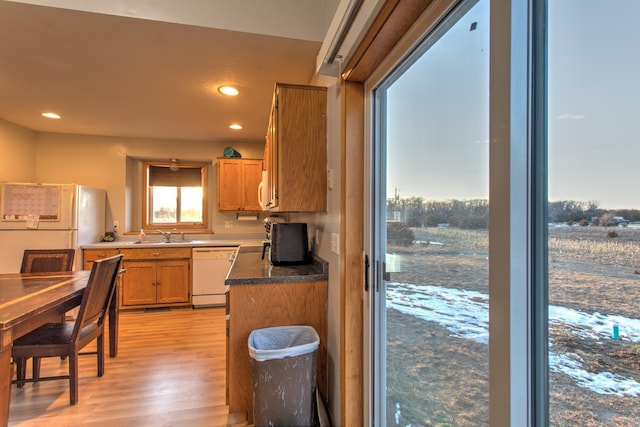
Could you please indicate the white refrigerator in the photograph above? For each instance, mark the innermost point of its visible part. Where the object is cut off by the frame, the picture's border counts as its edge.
(48, 216)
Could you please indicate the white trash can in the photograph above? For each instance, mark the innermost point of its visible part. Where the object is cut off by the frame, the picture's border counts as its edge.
(283, 369)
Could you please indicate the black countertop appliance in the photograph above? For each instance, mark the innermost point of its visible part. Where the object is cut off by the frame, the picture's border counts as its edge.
(289, 243)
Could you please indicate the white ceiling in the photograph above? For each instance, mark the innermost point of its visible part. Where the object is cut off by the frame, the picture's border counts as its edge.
(127, 76)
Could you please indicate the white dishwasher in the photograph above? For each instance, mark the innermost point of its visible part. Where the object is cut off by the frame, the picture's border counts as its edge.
(210, 268)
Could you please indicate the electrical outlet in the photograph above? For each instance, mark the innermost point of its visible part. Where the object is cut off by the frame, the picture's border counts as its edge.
(228, 224)
(335, 243)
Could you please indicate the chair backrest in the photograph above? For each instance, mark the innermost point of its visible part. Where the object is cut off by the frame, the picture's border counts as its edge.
(97, 294)
(47, 260)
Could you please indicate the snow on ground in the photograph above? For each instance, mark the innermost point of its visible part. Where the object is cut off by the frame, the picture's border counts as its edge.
(466, 315)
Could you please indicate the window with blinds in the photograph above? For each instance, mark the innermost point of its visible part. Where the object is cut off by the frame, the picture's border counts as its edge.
(175, 197)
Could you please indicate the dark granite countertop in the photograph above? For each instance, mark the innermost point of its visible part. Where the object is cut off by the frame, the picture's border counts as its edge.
(248, 268)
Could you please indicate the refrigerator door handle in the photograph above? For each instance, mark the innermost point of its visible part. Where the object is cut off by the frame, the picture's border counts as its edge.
(72, 215)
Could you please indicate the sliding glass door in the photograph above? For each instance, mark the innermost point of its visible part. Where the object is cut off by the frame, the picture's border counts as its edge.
(594, 213)
(565, 223)
(430, 181)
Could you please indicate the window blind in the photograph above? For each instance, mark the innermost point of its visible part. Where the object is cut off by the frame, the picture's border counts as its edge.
(161, 176)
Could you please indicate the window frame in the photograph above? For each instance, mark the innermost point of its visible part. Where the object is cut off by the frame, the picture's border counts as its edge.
(147, 198)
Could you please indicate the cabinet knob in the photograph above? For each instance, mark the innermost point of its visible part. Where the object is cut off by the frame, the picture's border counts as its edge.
(156, 254)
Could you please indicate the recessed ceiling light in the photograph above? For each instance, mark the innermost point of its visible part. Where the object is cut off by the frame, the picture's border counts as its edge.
(235, 126)
(51, 115)
(228, 90)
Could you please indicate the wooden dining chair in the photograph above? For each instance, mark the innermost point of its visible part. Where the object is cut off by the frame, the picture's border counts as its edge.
(66, 339)
(47, 260)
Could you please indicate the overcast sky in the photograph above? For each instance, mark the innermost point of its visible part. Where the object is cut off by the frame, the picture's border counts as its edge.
(438, 121)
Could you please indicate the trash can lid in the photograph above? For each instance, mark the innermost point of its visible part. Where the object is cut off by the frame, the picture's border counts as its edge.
(279, 342)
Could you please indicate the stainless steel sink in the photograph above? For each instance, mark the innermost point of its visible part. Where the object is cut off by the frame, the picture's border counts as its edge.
(198, 242)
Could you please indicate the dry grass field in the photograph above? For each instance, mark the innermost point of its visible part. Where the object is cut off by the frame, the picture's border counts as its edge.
(438, 379)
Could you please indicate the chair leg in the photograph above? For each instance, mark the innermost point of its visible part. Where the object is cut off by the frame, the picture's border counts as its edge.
(63, 319)
(73, 378)
(35, 369)
(21, 368)
(100, 345)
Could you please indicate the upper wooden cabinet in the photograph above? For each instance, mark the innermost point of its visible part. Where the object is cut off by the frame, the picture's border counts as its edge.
(296, 149)
(238, 181)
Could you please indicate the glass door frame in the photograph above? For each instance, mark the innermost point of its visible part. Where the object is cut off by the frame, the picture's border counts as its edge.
(517, 269)
(450, 14)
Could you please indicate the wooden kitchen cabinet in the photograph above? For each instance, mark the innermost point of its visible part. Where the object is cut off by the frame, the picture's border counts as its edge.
(296, 149)
(238, 181)
(90, 255)
(264, 305)
(156, 277)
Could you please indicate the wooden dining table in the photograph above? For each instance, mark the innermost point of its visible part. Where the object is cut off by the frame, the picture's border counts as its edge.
(28, 301)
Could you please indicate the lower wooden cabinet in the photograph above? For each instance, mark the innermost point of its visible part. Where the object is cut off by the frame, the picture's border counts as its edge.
(90, 255)
(155, 282)
(154, 277)
(263, 305)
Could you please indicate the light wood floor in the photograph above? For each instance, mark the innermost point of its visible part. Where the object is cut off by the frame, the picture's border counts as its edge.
(170, 370)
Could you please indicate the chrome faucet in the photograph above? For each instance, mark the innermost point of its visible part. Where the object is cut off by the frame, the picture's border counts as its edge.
(166, 235)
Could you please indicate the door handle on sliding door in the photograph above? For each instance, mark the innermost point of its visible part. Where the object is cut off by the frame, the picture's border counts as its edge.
(366, 273)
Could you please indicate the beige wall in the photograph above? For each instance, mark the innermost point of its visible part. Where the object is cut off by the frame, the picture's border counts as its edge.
(17, 153)
(101, 162)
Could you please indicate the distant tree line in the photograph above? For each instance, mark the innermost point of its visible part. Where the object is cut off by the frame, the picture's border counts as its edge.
(474, 214)
(416, 212)
(588, 213)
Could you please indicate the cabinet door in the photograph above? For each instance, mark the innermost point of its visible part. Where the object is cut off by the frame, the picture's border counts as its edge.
(302, 149)
(297, 149)
(229, 184)
(238, 181)
(172, 281)
(251, 177)
(139, 283)
(271, 156)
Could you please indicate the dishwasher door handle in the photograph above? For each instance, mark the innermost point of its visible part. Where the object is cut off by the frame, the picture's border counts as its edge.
(211, 250)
